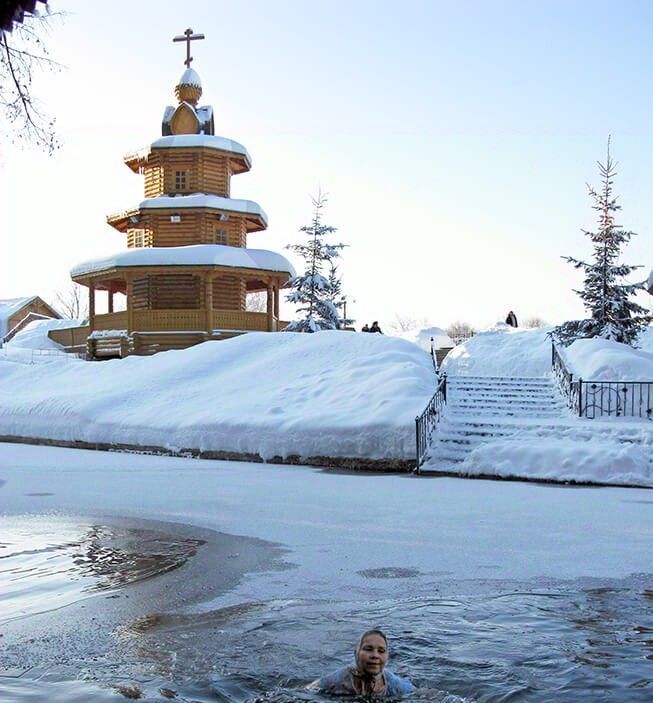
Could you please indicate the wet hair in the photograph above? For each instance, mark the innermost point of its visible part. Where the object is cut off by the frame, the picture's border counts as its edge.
(367, 634)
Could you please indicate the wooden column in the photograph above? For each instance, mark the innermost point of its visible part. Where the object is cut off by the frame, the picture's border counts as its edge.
(270, 307)
(110, 299)
(130, 303)
(276, 300)
(208, 302)
(91, 307)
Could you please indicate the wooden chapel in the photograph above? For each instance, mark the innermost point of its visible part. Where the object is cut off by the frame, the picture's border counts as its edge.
(186, 269)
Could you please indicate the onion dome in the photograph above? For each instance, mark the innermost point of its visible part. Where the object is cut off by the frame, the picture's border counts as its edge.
(189, 88)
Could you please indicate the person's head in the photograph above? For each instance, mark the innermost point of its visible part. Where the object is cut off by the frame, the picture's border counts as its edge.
(371, 653)
(375, 323)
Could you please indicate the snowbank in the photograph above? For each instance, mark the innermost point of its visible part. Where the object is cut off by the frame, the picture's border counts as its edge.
(564, 460)
(502, 351)
(326, 394)
(508, 351)
(605, 360)
(422, 338)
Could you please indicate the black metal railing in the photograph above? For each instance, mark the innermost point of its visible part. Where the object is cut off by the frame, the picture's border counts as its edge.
(615, 398)
(593, 399)
(568, 387)
(434, 357)
(426, 423)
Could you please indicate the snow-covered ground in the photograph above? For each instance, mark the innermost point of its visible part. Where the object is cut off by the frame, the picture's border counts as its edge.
(329, 394)
(423, 337)
(565, 448)
(508, 351)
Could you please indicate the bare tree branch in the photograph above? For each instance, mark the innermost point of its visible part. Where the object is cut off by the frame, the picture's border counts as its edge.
(22, 53)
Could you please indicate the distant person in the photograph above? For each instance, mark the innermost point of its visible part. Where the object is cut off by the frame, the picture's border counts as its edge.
(511, 319)
(365, 328)
(375, 327)
(368, 675)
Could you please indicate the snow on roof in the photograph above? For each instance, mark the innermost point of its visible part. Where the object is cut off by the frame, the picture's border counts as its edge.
(194, 255)
(210, 141)
(190, 77)
(249, 207)
(35, 334)
(9, 307)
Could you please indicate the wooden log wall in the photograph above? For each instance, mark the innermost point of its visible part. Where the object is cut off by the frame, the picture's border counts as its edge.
(207, 171)
(167, 292)
(229, 293)
(153, 172)
(196, 227)
(141, 293)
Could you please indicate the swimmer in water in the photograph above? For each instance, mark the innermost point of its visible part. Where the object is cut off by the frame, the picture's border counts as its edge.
(368, 676)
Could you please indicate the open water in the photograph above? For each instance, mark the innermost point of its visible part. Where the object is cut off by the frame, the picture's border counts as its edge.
(485, 640)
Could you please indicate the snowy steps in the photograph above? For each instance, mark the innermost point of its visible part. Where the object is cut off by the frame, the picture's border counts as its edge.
(489, 408)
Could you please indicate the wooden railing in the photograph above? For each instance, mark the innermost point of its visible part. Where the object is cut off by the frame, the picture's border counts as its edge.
(168, 320)
(70, 337)
(240, 320)
(111, 321)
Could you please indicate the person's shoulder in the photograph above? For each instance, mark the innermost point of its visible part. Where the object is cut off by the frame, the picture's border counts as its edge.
(397, 684)
(336, 681)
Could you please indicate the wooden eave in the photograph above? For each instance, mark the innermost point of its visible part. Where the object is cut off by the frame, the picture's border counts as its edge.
(239, 163)
(253, 222)
(117, 274)
(121, 220)
(136, 162)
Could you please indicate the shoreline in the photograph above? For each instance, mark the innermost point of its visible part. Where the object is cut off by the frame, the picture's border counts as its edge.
(103, 623)
(348, 463)
(334, 464)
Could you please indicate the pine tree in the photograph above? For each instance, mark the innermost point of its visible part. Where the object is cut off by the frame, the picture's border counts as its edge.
(613, 313)
(312, 291)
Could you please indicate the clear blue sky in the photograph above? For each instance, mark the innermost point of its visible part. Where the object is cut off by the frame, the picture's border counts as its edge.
(455, 139)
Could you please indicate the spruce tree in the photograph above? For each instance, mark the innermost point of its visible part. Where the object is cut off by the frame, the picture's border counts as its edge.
(312, 291)
(335, 295)
(613, 313)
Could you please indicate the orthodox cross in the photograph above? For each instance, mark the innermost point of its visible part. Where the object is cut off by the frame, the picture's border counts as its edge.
(188, 37)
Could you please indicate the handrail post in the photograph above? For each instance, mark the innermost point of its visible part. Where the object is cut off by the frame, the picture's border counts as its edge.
(580, 397)
(417, 452)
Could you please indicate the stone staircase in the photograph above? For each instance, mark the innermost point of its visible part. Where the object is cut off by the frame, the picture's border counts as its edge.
(484, 408)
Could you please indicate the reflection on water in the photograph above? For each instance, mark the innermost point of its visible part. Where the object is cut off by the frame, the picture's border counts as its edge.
(49, 562)
(478, 641)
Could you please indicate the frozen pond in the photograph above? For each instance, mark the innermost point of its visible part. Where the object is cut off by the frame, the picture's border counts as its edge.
(243, 582)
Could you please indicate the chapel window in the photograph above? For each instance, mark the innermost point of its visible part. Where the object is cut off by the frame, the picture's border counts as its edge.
(180, 181)
(138, 238)
(220, 236)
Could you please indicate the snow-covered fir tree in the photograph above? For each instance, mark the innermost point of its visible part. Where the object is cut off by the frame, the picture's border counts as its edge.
(609, 300)
(314, 293)
(335, 295)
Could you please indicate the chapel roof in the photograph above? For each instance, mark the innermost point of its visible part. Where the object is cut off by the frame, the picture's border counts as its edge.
(193, 255)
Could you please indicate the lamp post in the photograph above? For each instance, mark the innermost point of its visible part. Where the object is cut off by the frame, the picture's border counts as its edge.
(344, 309)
